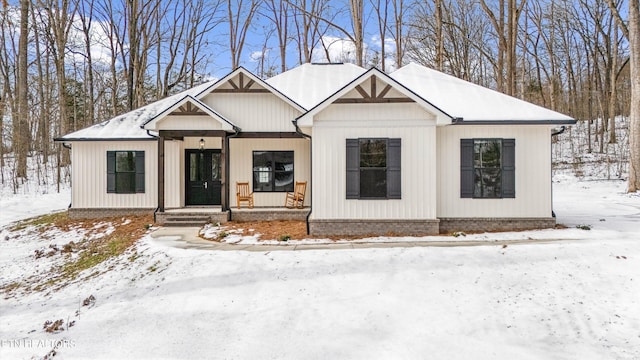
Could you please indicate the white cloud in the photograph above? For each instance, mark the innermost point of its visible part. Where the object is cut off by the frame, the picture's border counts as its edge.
(389, 44)
(258, 55)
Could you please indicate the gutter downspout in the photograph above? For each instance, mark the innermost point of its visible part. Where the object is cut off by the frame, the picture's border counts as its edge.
(555, 133)
(298, 131)
(226, 169)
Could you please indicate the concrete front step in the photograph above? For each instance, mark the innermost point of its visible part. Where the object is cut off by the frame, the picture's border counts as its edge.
(186, 220)
(185, 223)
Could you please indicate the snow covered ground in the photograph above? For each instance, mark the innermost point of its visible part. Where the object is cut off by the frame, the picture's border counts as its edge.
(573, 299)
(36, 196)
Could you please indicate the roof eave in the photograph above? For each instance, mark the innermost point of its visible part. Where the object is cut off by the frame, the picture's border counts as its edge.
(514, 122)
(103, 139)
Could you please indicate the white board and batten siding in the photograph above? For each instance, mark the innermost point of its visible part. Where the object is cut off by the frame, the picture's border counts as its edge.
(254, 112)
(241, 167)
(532, 172)
(89, 175)
(174, 174)
(188, 122)
(409, 122)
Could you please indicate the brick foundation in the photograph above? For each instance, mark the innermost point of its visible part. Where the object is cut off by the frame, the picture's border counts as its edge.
(95, 213)
(337, 227)
(449, 225)
(373, 227)
(267, 215)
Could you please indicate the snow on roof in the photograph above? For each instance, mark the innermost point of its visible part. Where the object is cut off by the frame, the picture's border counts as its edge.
(469, 101)
(310, 84)
(128, 125)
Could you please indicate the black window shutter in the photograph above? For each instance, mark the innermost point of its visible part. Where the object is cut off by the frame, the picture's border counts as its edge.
(111, 171)
(466, 168)
(353, 169)
(139, 171)
(508, 168)
(394, 162)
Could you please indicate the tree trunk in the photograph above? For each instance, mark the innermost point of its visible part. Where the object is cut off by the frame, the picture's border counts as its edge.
(133, 51)
(398, 12)
(634, 114)
(357, 11)
(43, 120)
(439, 37)
(21, 122)
(613, 94)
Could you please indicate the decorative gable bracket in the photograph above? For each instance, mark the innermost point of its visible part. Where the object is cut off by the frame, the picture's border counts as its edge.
(373, 97)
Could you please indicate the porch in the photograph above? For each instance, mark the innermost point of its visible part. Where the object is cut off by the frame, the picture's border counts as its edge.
(198, 216)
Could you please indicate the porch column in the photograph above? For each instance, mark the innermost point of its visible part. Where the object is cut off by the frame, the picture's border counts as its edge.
(224, 169)
(161, 173)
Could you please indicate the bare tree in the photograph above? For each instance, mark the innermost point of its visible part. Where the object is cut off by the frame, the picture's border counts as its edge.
(632, 32)
(356, 16)
(85, 13)
(381, 10)
(309, 27)
(505, 25)
(58, 17)
(279, 12)
(240, 16)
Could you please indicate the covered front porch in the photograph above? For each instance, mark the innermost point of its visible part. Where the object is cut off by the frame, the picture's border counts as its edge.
(198, 171)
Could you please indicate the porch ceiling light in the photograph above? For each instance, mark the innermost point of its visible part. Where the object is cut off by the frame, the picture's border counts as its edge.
(201, 144)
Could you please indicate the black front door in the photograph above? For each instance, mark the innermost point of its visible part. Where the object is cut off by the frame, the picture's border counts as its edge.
(203, 178)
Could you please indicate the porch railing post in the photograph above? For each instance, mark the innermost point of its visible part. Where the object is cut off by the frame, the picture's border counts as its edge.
(161, 173)
(224, 201)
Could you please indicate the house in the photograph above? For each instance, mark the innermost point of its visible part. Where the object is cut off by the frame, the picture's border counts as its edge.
(412, 152)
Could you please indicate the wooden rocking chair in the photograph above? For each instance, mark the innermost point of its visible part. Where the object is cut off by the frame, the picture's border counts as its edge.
(244, 194)
(295, 199)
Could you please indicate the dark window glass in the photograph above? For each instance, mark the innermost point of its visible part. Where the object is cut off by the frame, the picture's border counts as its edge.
(373, 168)
(487, 168)
(216, 174)
(272, 171)
(125, 172)
(195, 168)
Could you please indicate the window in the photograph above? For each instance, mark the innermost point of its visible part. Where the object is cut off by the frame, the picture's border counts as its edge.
(272, 171)
(487, 168)
(373, 168)
(125, 172)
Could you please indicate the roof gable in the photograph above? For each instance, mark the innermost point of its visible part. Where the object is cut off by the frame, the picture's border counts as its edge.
(373, 86)
(243, 81)
(189, 105)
